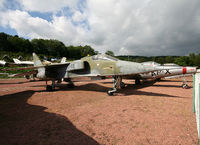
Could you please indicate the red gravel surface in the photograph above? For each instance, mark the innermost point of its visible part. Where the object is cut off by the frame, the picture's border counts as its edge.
(156, 113)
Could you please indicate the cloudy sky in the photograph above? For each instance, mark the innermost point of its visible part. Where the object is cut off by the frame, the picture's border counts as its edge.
(127, 27)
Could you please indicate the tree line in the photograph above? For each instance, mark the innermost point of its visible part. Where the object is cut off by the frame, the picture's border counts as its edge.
(15, 46)
(191, 60)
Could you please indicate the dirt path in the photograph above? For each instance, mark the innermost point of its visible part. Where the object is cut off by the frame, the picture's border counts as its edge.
(157, 114)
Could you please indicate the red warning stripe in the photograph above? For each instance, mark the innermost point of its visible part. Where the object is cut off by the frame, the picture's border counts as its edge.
(184, 70)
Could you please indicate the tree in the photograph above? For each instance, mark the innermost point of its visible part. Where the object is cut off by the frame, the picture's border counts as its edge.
(87, 50)
(197, 60)
(182, 60)
(169, 59)
(192, 58)
(161, 60)
(110, 53)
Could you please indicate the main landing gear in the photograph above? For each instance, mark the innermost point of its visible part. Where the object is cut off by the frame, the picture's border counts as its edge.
(50, 87)
(53, 85)
(70, 83)
(185, 85)
(117, 83)
(137, 82)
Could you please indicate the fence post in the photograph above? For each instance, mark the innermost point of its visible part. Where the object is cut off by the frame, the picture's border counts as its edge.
(194, 93)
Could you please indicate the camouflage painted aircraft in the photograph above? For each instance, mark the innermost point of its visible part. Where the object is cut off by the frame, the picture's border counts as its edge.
(100, 66)
(90, 66)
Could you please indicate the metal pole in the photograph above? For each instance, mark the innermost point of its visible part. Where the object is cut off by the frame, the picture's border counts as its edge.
(199, 113)
(194, 93)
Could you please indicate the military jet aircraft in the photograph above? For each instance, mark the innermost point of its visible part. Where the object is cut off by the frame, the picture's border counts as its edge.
(18, 62)
(2, 63)
(166, 70)
(96, 66)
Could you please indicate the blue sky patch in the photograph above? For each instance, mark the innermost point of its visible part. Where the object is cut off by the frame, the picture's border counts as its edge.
(47, 16)
(8, 30)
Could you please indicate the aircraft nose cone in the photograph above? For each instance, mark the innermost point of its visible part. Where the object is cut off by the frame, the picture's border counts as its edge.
(189, 70)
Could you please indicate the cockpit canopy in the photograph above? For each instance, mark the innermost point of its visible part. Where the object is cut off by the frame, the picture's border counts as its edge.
(104, 57)
(170, 64)
(151, 63)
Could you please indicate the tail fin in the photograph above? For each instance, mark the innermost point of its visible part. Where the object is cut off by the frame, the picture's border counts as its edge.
(17, 61)
(36, 60)
(63, 60)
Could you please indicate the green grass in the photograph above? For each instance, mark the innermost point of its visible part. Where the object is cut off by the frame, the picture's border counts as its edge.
(4, 76)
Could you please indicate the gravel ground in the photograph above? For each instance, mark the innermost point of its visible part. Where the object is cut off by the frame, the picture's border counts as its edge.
(156, 113)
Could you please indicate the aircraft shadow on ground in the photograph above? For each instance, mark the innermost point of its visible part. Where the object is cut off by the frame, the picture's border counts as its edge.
(171, 86)
(87, 87)
(174, 81)
(21, 82)
(138, 92)
(135, 90)
(22, 123)
(130, 89)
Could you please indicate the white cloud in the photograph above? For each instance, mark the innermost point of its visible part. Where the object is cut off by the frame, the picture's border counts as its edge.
(2, 3)
(35, 27)
(148, 27)
(47, 5)
(78, 16)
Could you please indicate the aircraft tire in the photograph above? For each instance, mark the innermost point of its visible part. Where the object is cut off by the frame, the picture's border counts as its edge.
(71, 85)
(110, 93)
(158, 79)
(137, 81)
(49, 88)
(27, 77)
(185, 86)
(122, 85)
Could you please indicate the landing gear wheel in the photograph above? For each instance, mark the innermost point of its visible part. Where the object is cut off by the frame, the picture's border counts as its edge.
(110, 92)
(49, 88)
(27, 77)
(185, 86)
(122, 85)
(137, 82)
(159, 79)
(71, 85)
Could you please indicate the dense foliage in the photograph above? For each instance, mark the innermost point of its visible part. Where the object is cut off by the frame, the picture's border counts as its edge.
(191, 60)
(48, 48)
(14, 46)
(110, 53)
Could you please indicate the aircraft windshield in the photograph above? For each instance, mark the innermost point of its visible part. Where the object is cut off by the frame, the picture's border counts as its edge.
(151, 63)
(170, 64)
(104, 57)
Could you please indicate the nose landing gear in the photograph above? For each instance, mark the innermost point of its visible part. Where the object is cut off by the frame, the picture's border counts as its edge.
(117, 83)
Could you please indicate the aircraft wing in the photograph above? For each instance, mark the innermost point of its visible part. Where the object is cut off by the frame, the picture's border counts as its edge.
(36, 67)
(24, 74)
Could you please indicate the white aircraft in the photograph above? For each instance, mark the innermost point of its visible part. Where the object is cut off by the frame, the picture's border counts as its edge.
(2, 63)
(167, 70)
(17, 61)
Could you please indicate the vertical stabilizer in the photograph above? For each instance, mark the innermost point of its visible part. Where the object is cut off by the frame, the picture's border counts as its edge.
(63, 60)
(17, 61)
(36, 60)
(41, 70)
